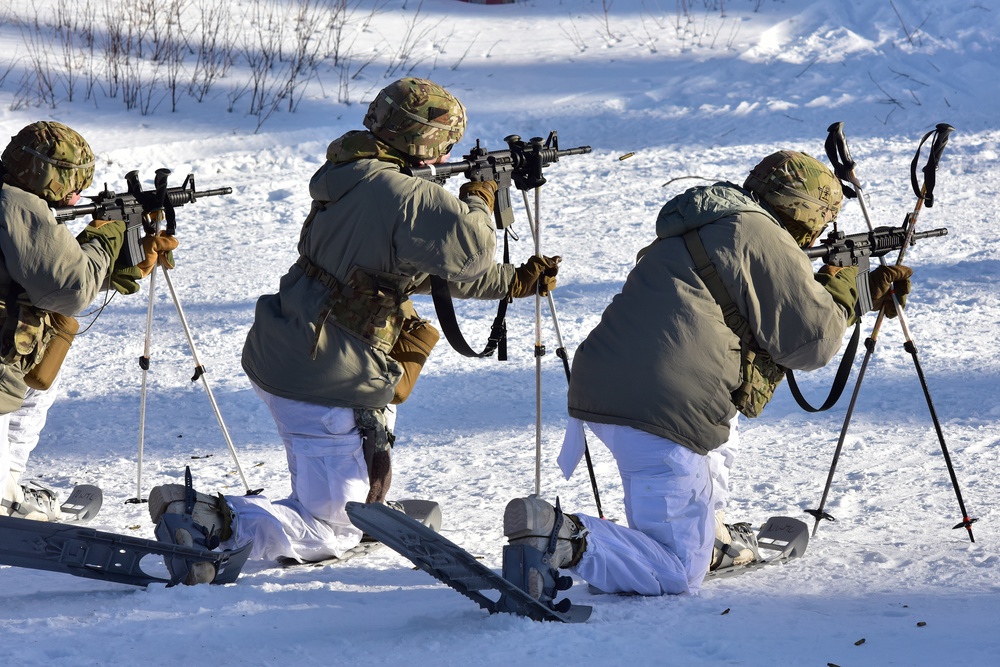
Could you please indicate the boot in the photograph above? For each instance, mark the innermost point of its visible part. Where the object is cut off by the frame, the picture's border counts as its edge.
(31, 500)
(212, 523)
(735, 544)
(530, 521)
(532, 556)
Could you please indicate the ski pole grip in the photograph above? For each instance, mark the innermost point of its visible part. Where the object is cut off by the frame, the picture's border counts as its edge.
(926, 192)
(840, 158)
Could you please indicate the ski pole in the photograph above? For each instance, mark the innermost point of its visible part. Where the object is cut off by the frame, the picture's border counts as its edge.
(564, 356)
(199, 372)
(843, 167)
(155, 217)
(926, 192)
(144, 365)
(539, 346)
(837, 151)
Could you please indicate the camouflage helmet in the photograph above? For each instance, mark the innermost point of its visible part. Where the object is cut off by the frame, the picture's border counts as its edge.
(417, 117)
(802, 190)
(50, 160)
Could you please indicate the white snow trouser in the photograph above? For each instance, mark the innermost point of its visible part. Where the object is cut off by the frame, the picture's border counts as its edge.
(671, 494)
(327, 468)
(19, 433)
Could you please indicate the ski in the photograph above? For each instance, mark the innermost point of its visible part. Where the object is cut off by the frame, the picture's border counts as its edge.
(93, 554)
(457, 568)
(427, 512)
(784, 535)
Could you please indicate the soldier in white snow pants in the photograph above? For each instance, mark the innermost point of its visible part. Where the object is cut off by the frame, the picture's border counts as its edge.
(711, 316)
(328, 470)
(671, 495)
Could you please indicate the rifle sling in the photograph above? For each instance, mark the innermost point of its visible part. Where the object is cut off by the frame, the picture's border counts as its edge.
(739, 325)
(441, 294)
(839, 381)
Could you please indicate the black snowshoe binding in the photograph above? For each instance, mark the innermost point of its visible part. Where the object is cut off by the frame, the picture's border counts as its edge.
(183, 530)
(531, 570)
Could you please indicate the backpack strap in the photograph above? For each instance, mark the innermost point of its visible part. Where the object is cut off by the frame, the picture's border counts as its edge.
(706, 270)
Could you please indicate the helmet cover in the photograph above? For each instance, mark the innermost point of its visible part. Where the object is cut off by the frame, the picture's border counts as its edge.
(804, 193)
(50, 160)
(417, 117)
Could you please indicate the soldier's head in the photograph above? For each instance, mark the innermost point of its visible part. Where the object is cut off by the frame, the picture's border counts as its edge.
(417, 117)
(50, 160)
(801, 190)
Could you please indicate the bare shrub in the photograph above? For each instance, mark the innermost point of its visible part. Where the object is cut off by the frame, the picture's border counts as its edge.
(214, 50)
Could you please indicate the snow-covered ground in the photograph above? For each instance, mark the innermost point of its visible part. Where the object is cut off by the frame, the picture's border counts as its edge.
(693, 88)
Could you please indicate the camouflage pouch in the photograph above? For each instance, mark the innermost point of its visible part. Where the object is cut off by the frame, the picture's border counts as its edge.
(761, 377)
(367, 306)
(21, 337)
(36, 342)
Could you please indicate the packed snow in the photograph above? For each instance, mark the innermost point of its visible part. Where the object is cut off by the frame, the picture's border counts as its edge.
(696, 90)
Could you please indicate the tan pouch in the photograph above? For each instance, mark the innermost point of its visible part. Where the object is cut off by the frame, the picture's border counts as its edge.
(416, 340)
(43, 374)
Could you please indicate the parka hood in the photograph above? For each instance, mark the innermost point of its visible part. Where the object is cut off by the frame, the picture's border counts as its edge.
(351, 158)
(703, 205)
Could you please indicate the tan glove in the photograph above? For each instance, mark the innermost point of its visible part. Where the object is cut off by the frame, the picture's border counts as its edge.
(158, 249)
(537, 273)
(881, 279)
(485, 190)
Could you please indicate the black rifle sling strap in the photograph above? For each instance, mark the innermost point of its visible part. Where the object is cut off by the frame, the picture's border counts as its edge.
(735, 321)
(839, 381)
(441, 294)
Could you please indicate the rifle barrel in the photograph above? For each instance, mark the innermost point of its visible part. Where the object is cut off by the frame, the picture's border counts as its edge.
(181, 196)
(873, 244)
(548, 155)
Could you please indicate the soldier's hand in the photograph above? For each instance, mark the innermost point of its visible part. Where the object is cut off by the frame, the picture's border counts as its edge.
(110, 234)
(125, 279)
(537, 273)
(158, 250)
(881, 279)
(485, 190)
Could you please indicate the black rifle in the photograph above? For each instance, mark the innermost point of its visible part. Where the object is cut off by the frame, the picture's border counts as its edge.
(140, 209)
(520, 165)
(839, 249)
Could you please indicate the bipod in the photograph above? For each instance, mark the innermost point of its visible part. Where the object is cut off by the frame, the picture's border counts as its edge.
(151, 222)
(561, 353)
(840, 157)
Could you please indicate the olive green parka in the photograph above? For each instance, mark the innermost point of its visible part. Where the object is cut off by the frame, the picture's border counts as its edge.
(369, 215)
(663, 360)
